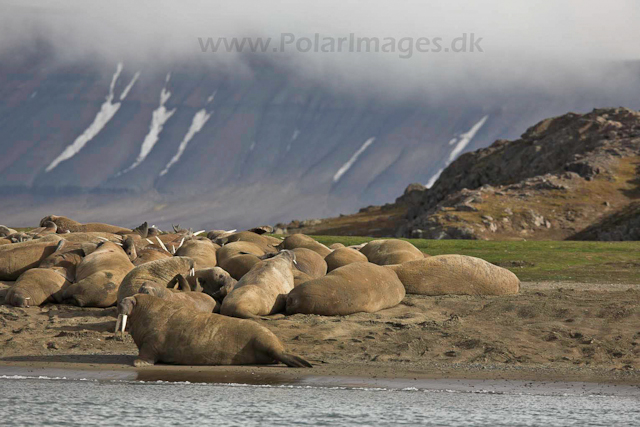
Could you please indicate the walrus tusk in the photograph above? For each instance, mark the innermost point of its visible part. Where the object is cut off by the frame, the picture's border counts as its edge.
(181, 242)
(192, 272)
(161, 244)
(199, 232)
(27, 300)
(173, 249)
(149, 241)
(124, 323)
(102, 238)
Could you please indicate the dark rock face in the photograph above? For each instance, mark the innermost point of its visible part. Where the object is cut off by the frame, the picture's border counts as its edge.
(552, 161)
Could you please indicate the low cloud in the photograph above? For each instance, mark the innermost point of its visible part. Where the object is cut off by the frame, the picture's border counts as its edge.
(535, 45)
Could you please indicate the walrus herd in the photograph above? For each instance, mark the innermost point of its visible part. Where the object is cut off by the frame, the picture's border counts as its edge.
(192, 298)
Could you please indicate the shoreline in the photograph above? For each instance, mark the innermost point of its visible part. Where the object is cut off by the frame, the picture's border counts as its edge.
(550, 332)
(321, 373)
(280, 376)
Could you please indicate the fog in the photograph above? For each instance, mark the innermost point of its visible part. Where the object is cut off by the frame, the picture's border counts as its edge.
(550, 46)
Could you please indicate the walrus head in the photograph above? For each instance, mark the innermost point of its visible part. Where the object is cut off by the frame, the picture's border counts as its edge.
(50, 218)
(125, 308)
(129, 248)
(289, 255)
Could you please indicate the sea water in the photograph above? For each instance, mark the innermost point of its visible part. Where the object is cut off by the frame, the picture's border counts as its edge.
(28, 400)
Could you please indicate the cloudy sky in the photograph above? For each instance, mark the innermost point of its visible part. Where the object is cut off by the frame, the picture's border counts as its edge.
(537, 45)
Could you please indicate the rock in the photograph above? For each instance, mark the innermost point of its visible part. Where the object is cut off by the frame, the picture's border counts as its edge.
(463, 207)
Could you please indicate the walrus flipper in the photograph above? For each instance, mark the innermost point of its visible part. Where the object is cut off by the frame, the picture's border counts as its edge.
(292, 361)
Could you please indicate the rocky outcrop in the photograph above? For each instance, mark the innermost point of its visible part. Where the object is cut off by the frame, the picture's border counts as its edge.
(563, 176)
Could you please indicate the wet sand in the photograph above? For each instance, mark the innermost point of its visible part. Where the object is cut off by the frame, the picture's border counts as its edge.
(549, 332)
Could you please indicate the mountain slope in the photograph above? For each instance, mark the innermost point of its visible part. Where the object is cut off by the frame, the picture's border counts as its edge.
(193, 143)
(570, 177)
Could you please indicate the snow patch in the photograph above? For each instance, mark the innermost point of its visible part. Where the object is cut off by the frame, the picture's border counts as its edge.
(106, 113)
(434, 178)
(197, 123)
(464, 139)
(293, 138)
(158, 119)
(352, 160)
(461, 143)
(126, 90)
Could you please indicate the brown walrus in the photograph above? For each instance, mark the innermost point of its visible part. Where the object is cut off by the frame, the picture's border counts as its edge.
(203, 252)
(455, 275)
(263, 290)
(343, 256)
(159, 272)
(391, 251)
(98, 277)
(310, 262)
(36, 286)
(197, 301)
(17, 258)
(303, 241)
(45, 283)
(65, 224)
(169, 332)
(354, 288)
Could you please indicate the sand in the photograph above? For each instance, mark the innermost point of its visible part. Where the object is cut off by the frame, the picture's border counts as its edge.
(551, 331)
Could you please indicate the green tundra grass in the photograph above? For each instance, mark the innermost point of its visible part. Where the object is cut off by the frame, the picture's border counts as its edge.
(589, 262)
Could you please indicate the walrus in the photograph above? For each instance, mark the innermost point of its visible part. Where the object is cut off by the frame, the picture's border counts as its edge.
(17, 258)
(239, 265)
(238, 248)
(354, 288)
(303, 241)
(47, 227)
(68, 257)
(455, 275)
(391, 251)
(6, 231)
(211, 281)
(310, 262)
(263, 290)
(45, 284)
(98, 277)
(203, 252)
(267, 243)
(160, 272)
(169, 332)
(36, 286)
(196, 301)
(299, 278)
(343, 256)
(5, 241)
(142, 252)
(336, 245)
(91, 237)
(64, 224)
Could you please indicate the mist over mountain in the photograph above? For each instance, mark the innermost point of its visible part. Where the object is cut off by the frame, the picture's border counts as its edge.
(107, 116)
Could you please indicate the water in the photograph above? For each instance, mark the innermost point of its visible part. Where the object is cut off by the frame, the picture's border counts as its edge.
(32, 401)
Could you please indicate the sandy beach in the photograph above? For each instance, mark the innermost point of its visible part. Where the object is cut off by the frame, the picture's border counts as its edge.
(551, 331)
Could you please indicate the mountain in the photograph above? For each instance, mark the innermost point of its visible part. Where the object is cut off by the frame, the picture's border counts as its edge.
(217, 148)
(576, 176)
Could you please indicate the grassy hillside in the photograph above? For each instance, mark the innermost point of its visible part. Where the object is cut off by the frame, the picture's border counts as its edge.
(589, 262)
